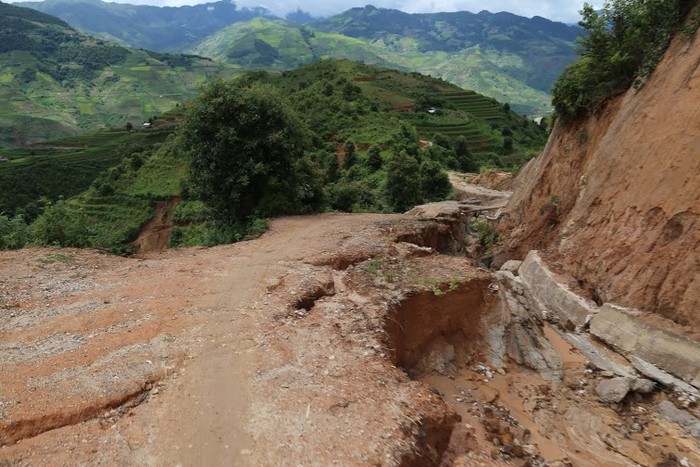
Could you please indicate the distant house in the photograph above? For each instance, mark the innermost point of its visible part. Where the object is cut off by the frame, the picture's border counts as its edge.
(3, 159)
(432, 111)
(147, 125)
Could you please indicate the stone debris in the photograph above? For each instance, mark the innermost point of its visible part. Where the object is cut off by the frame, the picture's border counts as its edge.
(511, 266)
(621, 329)
(616, 389)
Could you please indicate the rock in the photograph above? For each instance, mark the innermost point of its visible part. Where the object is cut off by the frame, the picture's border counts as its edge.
(511, 266)
(571, 310)
(681, 417)
(515, 332)
(671, 353)
(652, 372)
(643, 386)
(614, 390)
(597, 355)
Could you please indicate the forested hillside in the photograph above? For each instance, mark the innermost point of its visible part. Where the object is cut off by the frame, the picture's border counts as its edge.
(57, 81)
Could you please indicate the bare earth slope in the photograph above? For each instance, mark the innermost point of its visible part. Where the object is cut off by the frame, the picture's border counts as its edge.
(615, 199)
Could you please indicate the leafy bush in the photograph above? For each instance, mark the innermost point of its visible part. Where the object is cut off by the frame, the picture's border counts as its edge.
(60, 225)
(403, 188)
(435, 185)
(13, 232)
(244, 141)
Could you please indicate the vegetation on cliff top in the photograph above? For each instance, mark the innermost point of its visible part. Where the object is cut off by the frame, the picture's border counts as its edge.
(621, 46)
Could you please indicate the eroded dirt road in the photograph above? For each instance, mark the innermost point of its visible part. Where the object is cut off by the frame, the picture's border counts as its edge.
(116, 327)
(333, 339)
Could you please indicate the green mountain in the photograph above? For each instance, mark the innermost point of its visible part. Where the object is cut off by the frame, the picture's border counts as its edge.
(165, 29)
(508, 57)
(57, 81)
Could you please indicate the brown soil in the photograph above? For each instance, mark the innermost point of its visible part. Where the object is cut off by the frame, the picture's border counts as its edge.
(325, 341)
(616, 197)
(155, 235)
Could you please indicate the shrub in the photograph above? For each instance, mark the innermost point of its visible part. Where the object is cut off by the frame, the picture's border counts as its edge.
(435, 185)
(60, 225)
(13, 232)
(374, 158)
(403, 187)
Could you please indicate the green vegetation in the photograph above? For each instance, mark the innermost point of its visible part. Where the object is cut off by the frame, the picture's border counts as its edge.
(622, 45)
(502, 55)
(58, 82)
(508, 57)
(255, 166)
(331, 135)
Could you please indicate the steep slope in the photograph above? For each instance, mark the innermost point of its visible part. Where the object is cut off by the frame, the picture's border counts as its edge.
(615, 199)
(59, 82)
(280, 44)
(532, 50)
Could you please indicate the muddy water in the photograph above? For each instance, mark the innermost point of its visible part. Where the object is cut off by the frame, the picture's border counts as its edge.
(559, 421)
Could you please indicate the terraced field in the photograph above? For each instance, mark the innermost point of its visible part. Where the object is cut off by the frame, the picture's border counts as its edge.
(477, 139)
(66, 167)
(479, 106)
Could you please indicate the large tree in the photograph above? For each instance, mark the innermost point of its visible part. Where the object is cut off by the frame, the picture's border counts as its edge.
(403, 183)
(246, 146)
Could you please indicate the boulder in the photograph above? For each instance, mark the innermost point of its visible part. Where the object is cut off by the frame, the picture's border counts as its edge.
(614, 390)
(511, 266)
(569, 309)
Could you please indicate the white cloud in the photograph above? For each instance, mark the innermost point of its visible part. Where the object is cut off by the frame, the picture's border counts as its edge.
(557, 10)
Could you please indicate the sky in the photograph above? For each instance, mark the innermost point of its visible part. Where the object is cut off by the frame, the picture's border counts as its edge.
(557, 10)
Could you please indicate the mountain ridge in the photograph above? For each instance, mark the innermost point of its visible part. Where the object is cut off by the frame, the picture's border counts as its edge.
(509, 57)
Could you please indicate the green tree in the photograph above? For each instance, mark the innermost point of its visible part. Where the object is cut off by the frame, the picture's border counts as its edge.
(507, 145)
(435, 184)
(621, 45)
(463, 155)
(244, 141)
(350, 155)
(374, 158)
(403, 186)
(333, 168)
(129, 126)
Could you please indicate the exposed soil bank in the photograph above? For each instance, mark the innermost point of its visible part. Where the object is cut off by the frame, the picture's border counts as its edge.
(615, 198)
(155, 235)
(435, 320)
